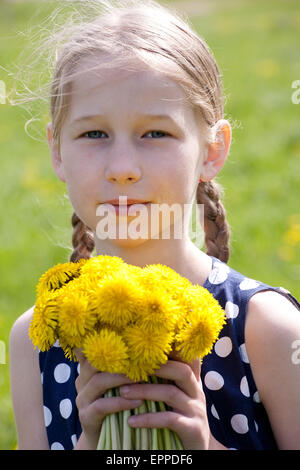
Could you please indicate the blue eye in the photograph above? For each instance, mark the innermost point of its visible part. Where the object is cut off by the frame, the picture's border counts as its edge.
(95, 134)
(157, 132)
(91, 134)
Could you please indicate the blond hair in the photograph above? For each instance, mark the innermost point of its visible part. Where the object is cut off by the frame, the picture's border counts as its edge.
(164, 40)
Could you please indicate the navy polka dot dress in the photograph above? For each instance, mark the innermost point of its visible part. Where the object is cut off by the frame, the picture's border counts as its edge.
(236, 415)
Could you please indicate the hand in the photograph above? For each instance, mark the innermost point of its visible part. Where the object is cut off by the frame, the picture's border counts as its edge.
(91, 385)
(188, 417)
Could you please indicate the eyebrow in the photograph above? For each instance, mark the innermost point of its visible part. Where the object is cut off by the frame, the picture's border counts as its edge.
(150, 117)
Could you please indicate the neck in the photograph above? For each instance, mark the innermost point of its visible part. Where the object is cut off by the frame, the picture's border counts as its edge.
(181, 255)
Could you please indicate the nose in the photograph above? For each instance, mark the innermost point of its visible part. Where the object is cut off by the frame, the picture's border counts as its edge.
(122, 169)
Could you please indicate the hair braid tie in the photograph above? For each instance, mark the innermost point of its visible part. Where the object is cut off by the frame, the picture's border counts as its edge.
(82, 240)
(216, 227)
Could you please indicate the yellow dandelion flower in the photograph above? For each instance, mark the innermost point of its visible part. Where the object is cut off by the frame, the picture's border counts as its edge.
(148, 347)
(75, 317)
(203, 324)
(158, 310)
(100, 266)
(57, 276)
(43, 325)
(193, 298)
(67, 349)
(164, 276)
(106, 351)
(139, 371)
(116, 300)
(163, 273)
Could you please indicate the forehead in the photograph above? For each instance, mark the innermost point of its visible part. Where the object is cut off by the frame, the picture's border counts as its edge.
(108, 90)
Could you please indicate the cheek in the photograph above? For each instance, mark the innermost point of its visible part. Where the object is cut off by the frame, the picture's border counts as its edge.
(82, 183)
(79, 169)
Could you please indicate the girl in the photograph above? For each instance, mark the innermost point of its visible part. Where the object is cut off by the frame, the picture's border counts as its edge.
(137, 111)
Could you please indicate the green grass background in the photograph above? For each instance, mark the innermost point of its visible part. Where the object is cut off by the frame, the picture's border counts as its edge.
(256, 44)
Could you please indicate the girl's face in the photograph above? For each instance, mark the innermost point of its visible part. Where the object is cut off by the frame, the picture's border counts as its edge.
(128, 134)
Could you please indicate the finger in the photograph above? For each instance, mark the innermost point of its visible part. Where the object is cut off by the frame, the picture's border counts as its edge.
(169, 394)
(195, 364)
(99, 384)
(79, 355)
(183, 375)
(161, 419)
(109, 405)
(86, 370)
(196, 368)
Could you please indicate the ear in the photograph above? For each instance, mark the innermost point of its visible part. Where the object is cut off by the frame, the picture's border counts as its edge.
(55, 154)
(217, 150)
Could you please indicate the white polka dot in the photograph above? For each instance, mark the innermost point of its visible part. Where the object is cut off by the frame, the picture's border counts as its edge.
(256, 427)
(214, 412)
(231, 309)
(219, 273)
(62, 373)
(247, 284)
(243, 353)
(239, 423)
(47, 416)
(57, 446)
(256, 397)
(244, 387)
(56, 344)
(213, 380)
(74, 439)
(223, 346)
(65, 408)
(42, 378)
(78, 368)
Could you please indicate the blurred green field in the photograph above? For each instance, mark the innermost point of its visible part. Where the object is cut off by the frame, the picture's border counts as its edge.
(256, 43)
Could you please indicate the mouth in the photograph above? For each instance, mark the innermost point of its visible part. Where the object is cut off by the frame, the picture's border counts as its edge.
(123, 208)
(124, 201)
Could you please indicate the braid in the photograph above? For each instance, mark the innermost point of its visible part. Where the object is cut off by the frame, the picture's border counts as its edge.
(82, 240)
(216, 227)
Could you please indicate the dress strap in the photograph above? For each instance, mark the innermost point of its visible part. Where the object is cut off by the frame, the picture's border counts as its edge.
(288, 295)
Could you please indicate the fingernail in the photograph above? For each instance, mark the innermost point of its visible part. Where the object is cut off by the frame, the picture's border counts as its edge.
(137, 402)
(124, 389)
(132, 420)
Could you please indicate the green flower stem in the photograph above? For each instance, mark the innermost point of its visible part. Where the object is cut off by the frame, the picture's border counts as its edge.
(166, 432)
(119, 415)
(144, 431)
(126, 431)
(101, 442)
(178, 443)
(160, 440)
(107, 433)
(154, 431)
(116, 433)
(137, 432)
(114, 425)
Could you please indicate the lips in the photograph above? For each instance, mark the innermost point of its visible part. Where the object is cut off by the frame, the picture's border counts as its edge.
(123, 201)
(122, 208)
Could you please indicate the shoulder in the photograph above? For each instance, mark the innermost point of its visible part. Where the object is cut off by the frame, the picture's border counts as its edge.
(271, 331)
(20, 345)
(19, 331)
(272, 316)
(25, 381)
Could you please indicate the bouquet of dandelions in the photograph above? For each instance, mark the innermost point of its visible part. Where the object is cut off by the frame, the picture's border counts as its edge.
(126, 320)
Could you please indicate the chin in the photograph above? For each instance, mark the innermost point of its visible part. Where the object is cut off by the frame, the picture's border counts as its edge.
(128, 242)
